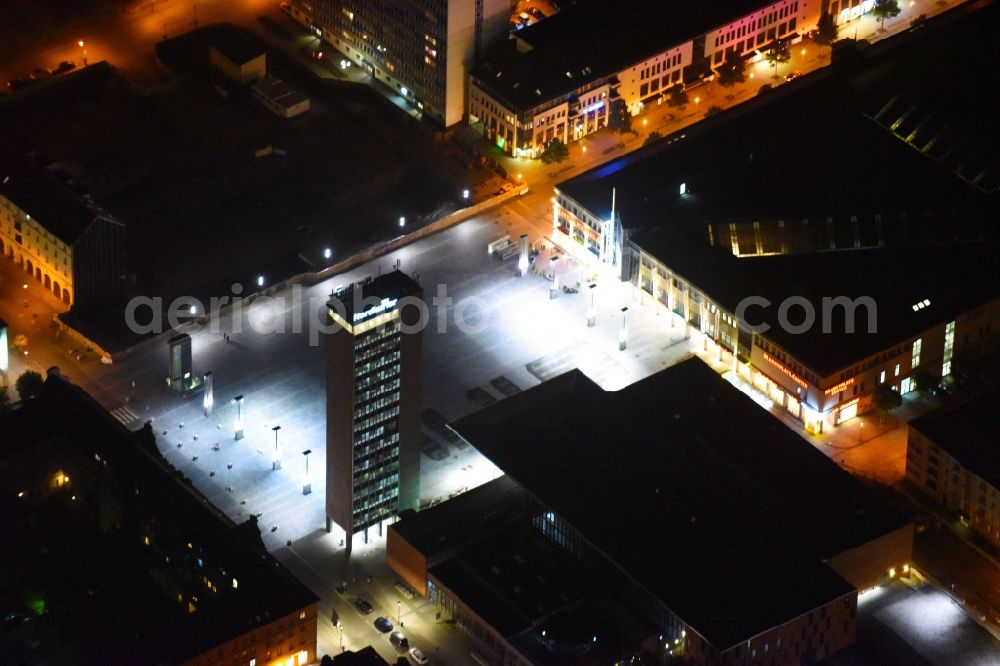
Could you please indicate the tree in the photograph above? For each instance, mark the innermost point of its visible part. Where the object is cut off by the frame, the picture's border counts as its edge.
(678, 97)
(883, 9)
(776, 54)
(623, 124)
(29, 384)
(556, 151)
(4, 397)
(732, 70)
(653, 137)
(826, 29)
(887, 398)
(923, 378)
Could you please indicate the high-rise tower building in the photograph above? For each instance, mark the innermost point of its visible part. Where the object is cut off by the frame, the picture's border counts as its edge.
(421, 49)
(373, 402)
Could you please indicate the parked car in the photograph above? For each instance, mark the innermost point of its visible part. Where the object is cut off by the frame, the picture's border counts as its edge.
(382, 624)
(536, 12)
(363, 605)
(417, 655)
(791, 76)
(399, 641)
(41, 73)
(64, 66)
(19, 83)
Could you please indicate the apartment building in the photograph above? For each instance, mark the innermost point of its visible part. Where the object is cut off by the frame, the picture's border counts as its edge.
(421, 49)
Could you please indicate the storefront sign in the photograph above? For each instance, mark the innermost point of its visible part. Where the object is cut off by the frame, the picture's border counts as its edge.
(842, 386)
(795, 378)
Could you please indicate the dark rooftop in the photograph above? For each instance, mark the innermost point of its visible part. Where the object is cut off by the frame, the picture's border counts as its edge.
(931, 273)
(38, 194)
(449, 525)
(968, 430)
(819, 165)
(109, 596)
(374, 294)
(740, 165)
(366, 656)
(582, 41)
(685, 483)
(237, 46)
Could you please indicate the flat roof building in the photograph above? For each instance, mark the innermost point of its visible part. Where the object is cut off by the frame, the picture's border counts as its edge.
(951, 457)
(421, 49)
(118, 559)
(63, 241)
(711, 520)
(573, 73)
(279, 97)
(373, 402)
(238, 56)
(773, 231)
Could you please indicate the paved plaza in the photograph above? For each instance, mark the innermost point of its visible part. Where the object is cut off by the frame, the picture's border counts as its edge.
(901, 624)
(494, 325)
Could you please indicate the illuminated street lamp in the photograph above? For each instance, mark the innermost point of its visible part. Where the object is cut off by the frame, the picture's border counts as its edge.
(276, 458)
(327, 253)
(306, 483)
(592, 311)
(260, 280)
(622, 335)
(555, 279)
(402, 221)
(465, 194)
(208, 401)
(522, 262)
(238, 426)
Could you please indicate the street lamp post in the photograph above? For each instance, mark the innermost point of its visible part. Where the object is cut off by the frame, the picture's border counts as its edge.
(276, 459)
(307, 483)
(553, 262)
(592, 311)
(399, 607)
(208, 401)
(83, 52)
(622, 335)
(340, 630)
(238, 426)
(522, 262)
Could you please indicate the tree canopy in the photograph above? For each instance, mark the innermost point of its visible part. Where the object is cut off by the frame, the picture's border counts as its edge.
(883, 9)
(732, 70)
(556, 151)
(29, 384)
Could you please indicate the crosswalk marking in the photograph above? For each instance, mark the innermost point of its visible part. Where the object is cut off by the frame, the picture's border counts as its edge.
(124, 415)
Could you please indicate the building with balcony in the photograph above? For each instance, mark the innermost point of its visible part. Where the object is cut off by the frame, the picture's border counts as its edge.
(373, 403)
(574, 73)
(116, 559)
(951, 457)
(422, 50)
(716, 533)
(66, 243)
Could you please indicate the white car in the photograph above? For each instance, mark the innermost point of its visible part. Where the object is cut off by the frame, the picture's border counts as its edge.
(418, 655)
